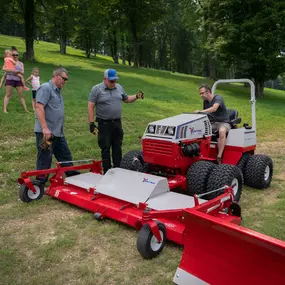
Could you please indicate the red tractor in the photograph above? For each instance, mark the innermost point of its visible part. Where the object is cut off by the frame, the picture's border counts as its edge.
(184, 149)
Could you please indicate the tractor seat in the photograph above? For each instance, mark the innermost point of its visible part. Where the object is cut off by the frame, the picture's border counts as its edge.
(234, 119)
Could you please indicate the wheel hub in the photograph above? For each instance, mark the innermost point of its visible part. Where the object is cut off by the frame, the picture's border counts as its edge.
(266, 173)
(154, 243)
(33, 195)
(235, 185)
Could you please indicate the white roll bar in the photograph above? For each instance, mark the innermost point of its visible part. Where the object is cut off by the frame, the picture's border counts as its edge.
(252, 95)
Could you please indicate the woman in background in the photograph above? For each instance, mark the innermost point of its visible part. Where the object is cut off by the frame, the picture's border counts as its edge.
(13, 80)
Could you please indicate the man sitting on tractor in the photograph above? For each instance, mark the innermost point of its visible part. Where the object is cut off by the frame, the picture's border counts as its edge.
(215, 105)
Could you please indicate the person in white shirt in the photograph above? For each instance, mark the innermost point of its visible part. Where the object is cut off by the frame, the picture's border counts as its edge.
(34, 80)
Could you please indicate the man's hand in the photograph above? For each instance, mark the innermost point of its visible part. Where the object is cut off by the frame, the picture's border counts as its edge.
(46, 143)
(93, 128)
(140, 95)
(46, 133)
(197, 111)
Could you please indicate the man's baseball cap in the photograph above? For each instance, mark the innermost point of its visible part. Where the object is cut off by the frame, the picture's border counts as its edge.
(111, 74)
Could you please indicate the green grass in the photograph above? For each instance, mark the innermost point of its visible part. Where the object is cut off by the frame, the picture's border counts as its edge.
(49, 242)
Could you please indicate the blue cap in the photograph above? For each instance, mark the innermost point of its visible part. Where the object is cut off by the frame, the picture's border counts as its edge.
(111, 74)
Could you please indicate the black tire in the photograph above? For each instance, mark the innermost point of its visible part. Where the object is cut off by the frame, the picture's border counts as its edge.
(243, 162)
(258, 172)
(27, 195)
(147, 244)
(133, 160)
(197, 177)
(97, 216)
(225, 174)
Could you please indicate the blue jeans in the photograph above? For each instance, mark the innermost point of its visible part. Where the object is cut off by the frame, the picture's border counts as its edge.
(61, 152)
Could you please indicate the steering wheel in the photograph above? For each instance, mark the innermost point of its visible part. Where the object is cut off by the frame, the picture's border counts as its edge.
(210, 116)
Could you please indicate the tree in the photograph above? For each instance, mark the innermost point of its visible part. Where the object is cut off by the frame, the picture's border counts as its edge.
(249, 34)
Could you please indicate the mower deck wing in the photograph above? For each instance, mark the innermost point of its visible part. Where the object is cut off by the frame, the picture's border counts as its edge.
(219, 252)
(131, 186)
(86, 180)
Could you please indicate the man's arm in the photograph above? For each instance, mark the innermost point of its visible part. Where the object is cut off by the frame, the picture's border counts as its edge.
(42, 118)
(212, 109)
(130, 99)
(91, 106)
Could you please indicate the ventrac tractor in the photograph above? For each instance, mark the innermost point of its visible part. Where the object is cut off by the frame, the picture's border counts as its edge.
(183, 148)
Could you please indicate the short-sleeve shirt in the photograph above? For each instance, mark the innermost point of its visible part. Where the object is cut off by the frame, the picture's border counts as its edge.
(50, 96)
(221, 115)
(12, 76)
(108, 102)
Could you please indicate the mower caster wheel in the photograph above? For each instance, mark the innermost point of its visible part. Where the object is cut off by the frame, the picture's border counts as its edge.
(27, 195)
(147, 244)
(235, 209)
(97, 216)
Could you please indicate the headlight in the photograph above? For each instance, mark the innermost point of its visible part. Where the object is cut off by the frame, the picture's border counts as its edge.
(171, 131)
(151, 129)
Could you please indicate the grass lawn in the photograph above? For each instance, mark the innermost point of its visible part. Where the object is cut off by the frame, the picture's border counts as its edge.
(49, 242)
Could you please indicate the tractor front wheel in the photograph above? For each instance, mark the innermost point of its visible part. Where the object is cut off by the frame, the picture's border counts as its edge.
(133, 160)
(147, 244)
(258, 171)
(197, 177)
(225, 174)
(27, 195)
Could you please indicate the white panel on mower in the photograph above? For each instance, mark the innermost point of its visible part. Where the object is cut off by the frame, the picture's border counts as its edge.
(131, 186)
(184, 127)
(241, 137)
(172, 201)
(85, 180)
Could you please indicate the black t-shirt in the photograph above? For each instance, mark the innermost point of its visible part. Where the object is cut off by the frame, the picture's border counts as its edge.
(221, 115)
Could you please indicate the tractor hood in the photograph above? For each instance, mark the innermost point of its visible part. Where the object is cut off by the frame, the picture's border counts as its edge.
(179, 128)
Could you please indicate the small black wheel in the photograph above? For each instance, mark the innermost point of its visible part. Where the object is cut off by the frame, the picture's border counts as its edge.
(197, 177)
(133, 160)
(147, 244)
(225, 174)
(27, 195)
(258, 172)
(97, 216)
(235, 209)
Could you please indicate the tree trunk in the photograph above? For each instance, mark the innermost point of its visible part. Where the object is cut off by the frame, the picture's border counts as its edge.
(115, 47)
(123, 49)
(212, 67)
(259, 87)
(29, 16)
(135, 42)
(62, 42)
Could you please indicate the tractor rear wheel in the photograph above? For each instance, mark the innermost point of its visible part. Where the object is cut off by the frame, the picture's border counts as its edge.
(133, 160)
(27, 195)
(243, 161)
(147, 244)
(197, 177)
(258, 171)
(225, 174)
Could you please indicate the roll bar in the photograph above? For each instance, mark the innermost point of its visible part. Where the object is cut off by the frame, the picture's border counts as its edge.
(252, 95)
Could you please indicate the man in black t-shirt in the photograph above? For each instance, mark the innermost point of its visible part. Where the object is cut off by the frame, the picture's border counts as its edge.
(215, 105)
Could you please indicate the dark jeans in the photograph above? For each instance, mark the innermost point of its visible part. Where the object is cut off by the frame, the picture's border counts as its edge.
(61, 152)
(110, 135)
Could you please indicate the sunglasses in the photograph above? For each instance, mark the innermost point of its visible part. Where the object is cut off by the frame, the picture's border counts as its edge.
(64, 78)
(15, 54)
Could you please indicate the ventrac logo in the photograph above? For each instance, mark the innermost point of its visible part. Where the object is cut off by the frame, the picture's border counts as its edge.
(193, 131)
(145, 180)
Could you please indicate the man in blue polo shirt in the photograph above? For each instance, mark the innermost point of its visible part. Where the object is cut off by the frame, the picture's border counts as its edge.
(49, 123)
(106, 98)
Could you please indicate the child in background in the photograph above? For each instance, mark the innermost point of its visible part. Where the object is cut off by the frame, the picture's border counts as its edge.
(9, 65)
(34, 80)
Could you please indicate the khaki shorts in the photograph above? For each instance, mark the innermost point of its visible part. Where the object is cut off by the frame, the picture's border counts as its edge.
(217, 125)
